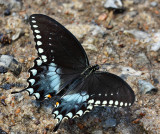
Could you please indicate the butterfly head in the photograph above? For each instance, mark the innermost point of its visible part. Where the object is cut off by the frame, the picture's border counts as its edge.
(95, 67)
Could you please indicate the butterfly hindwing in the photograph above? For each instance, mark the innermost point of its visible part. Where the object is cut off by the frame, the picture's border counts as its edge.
(72, 104)
(98, 89)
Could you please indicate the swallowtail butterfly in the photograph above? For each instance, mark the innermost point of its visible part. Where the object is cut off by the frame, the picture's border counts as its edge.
(62, 69)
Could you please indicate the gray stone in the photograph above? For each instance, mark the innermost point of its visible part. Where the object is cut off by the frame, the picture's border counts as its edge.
(140, 35)
(5, 60)
(141, 60)
(154, 4)
(146, 87)
(110, 122)
(97, 132)
(10, 63)
(133, 13)
(17, 35)
(116, 4)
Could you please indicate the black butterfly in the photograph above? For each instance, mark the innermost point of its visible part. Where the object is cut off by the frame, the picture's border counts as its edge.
(62, 69)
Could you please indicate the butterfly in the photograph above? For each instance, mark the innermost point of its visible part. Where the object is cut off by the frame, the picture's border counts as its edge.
(62, 69)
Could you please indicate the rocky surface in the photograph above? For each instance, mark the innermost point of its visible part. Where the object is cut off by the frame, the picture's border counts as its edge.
(125, 41)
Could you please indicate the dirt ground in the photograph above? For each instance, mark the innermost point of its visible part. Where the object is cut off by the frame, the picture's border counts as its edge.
(125, 41)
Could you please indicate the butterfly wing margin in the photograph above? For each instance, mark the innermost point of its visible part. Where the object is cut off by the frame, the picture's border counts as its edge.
(55, 43)
(73, 104)
(59, 52)
(49, 79)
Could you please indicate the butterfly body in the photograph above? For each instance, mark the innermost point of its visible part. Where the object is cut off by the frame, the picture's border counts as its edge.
(62, 69)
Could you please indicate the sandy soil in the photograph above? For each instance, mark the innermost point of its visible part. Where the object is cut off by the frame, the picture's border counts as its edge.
(129, 46)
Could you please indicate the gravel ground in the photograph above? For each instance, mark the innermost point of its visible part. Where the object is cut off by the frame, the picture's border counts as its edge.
(125, 40)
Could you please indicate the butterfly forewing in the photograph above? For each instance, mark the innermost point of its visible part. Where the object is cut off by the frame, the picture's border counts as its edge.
(55, 43)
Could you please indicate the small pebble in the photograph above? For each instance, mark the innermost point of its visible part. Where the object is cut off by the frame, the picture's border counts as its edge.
(97, 132)
(141, 60)
(6, 86)
(88, 44)
(111, 122)
(18, 34)
(80, 126)
(115, 4)
(3, 102)
(50, 126)
(7, 12)
(138, 1)
(124, 76)
(140, 35)
(102, 17)
(146, 87)
(4, 39)
(97, 30)
(15, 67)
(5, 60)
(133, 13)
(155, 46)
(136, 121)
(130, 71)
(37, 122)
(18, 111)
(21, 60)
(2, 131)
(3, 69)
(156, 81)
(154, 4)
